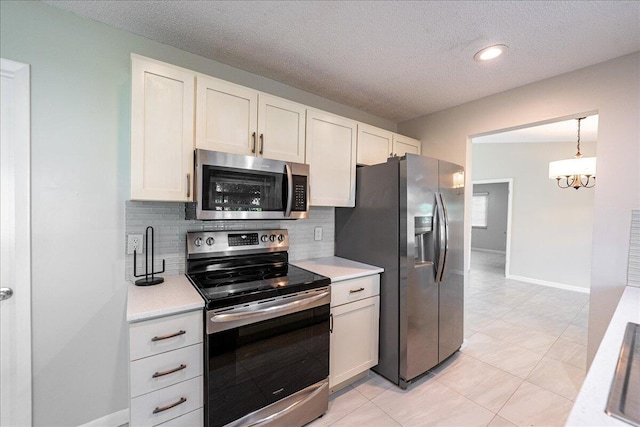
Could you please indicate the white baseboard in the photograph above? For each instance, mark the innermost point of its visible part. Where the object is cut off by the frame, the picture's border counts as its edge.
(491, 251)
(550, 284)
(115, 419)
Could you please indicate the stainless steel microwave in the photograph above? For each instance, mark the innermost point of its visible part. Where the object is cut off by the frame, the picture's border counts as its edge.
(232, 186)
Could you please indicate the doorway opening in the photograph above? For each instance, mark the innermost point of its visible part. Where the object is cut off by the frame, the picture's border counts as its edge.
(550, 229)
(491, 225)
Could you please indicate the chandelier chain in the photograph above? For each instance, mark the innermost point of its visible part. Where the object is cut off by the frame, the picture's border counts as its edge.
(578, 154)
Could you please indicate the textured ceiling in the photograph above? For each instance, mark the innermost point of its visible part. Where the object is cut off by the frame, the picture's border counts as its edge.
(395, 59)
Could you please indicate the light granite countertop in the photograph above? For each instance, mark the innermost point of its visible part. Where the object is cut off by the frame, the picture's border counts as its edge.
(175, 295)
(337, 269)
(592, 398)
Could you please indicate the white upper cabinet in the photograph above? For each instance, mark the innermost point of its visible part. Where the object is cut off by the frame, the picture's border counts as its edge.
(331, 155)
(235, 119)
(162, 108)
(281, 126)
(226, 117)
(375, 145)
(403, 144)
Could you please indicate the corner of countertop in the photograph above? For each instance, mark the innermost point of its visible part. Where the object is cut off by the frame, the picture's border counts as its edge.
(175, 295)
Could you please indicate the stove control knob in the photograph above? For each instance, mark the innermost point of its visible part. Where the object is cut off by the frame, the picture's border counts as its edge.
(198, 241)
(272, 238)
(210, 241)
(264, 238)
(280, 237)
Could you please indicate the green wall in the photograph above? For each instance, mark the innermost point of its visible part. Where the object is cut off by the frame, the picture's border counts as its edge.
(80, 76)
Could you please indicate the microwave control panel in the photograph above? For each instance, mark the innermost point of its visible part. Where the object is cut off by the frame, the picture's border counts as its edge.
(299, 193)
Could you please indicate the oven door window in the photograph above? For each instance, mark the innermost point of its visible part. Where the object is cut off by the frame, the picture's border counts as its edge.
(228, 189)
(252, 366)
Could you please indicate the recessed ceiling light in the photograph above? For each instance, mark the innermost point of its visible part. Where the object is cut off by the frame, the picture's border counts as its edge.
(490, 52)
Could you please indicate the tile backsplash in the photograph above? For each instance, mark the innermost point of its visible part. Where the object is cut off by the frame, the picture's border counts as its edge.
(171, 227)
(633, 275)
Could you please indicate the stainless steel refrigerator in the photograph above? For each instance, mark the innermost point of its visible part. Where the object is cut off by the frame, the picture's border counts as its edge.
(408, 219)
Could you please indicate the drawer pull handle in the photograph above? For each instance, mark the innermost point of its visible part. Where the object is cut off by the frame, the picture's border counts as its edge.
(166, 337)
(173, 405)
(355, 291)
(170, 371)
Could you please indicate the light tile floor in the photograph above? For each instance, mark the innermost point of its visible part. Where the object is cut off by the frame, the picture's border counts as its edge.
(522, 363)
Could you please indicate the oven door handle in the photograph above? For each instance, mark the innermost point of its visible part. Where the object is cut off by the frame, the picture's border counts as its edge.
(269, 310)
(287, 213)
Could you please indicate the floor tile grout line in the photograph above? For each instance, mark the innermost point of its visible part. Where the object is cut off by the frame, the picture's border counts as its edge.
(354, 408)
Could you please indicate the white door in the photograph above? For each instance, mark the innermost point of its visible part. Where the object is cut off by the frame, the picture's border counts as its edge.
(15, 219)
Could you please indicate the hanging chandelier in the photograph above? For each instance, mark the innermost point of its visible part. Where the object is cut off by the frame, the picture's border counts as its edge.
(574, 173)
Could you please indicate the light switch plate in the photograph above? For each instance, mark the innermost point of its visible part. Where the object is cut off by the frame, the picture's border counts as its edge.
(317, 233)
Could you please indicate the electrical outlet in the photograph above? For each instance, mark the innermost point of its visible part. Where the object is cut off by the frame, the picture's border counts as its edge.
(317, 233)
(134, 241)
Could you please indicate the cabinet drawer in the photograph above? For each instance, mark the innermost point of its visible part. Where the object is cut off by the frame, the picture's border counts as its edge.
(192, 419)
(156, 372)
(167, 403)
(354, 289)
(164, 334)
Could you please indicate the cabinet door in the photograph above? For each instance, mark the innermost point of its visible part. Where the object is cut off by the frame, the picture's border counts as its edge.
(354, 339)
(281, 125)
(226, 117)
(331, 155)
(403, 144)
(162, 99)
(375, 145)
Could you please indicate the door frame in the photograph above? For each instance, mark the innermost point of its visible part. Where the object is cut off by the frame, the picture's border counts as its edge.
(21, 396)
(509, 181)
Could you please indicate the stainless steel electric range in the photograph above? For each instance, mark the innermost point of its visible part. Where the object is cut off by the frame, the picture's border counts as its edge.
(267, 329)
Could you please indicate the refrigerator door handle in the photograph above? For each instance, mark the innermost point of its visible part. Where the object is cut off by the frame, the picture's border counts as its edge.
(441, 245)
(445, 217)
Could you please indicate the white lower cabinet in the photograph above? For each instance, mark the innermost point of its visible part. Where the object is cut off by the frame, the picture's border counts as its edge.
(355, 308)
(193, 418)
(165, 371)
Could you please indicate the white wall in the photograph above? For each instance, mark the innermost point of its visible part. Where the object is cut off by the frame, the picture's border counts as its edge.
(81, 80)
(551, 228)
(611, 89)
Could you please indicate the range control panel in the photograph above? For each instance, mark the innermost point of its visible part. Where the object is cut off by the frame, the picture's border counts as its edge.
(218, 243)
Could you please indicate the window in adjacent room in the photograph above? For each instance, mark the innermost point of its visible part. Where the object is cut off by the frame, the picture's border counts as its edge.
(479, 210)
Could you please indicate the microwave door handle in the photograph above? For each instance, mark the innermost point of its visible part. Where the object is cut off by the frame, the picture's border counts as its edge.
(287, 212)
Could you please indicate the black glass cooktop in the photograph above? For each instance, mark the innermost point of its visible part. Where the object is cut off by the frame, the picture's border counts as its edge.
(236, 280)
